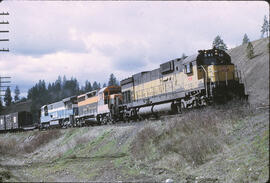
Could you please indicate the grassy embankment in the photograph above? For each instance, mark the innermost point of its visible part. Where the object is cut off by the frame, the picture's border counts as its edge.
(221, 143)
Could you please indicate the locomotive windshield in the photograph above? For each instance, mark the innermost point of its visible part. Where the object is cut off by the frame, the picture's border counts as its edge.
(213, 57)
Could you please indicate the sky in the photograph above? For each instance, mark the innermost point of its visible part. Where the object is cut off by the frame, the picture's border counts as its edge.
(89, 40)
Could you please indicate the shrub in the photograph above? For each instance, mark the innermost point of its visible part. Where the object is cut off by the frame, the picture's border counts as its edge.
(142, 141)
(195, 135)
(13, 146)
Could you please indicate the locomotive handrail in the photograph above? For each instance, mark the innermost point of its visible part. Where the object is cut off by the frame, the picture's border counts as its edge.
(205, 79)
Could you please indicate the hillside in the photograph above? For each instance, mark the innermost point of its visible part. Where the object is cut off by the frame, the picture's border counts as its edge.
(223, 143)
(255, 70)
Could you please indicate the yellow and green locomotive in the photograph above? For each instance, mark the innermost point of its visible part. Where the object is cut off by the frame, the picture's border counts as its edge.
(206, 77)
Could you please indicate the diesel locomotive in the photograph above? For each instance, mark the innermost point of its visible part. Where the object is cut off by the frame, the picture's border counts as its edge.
(98, 106)
(200, 79)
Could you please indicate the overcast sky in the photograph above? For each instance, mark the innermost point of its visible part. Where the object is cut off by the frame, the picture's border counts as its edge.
(89, 40)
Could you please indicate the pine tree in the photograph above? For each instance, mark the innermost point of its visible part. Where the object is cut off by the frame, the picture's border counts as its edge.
(95, 86)
(104, 85)
(245, 39)
(219, 43)
(250, 50)
(112, 81)
(64, 80)
(88, 86)
(8, 97)
(265, 27)
(17, 93)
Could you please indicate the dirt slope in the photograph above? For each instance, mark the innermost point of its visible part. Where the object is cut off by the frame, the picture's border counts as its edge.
(255, 70)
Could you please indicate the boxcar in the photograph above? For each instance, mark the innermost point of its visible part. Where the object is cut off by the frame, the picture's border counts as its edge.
(18, 120)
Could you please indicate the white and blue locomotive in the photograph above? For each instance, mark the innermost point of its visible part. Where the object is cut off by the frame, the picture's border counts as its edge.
(59, 113)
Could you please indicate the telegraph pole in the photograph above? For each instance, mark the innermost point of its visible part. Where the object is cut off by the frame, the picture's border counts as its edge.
(3, 80)
(4, 32)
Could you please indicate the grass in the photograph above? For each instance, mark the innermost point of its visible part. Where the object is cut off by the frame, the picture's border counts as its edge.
(196, 136)
(15, 146)
(180, 145)
(5, 175)
(85, 153)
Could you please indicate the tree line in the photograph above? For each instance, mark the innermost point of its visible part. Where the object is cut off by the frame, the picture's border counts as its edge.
(42, 93)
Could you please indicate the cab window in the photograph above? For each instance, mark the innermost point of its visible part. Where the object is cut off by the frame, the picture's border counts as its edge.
(188, 68)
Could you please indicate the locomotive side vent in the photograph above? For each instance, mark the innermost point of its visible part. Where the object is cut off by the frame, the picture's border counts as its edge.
(167, 67)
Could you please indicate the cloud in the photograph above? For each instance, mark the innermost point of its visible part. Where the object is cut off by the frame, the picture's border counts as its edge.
(89, 40)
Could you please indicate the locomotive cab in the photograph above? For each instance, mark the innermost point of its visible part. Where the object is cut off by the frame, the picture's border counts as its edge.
(220, 75)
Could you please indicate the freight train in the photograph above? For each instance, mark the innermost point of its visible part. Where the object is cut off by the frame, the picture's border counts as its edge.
(200, 79)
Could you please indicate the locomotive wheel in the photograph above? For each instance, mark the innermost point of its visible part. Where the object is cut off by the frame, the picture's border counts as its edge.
(178, 109)
(104, 120)
(182, 108)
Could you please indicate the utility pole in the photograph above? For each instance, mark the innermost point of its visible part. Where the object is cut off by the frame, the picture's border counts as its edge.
(3, 80)
(4, 32)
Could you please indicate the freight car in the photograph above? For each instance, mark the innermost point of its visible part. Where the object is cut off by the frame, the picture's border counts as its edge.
(16, 121)
(59, 113)
(197, 80)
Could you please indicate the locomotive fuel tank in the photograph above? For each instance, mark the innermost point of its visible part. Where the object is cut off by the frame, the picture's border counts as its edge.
(155, 109)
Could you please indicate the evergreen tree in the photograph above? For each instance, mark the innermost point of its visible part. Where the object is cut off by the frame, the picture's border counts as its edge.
(23, 99)
(104, 85)
(250, 50)
(112, 81)
(245, 39)
(17, 93)
(88, 86)
(219, 43)
(64, 80)
(95, 86)
(8, 97)
(265, 27)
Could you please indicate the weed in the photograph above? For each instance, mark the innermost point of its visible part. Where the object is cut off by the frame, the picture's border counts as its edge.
(13, 146)
(196, 135)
